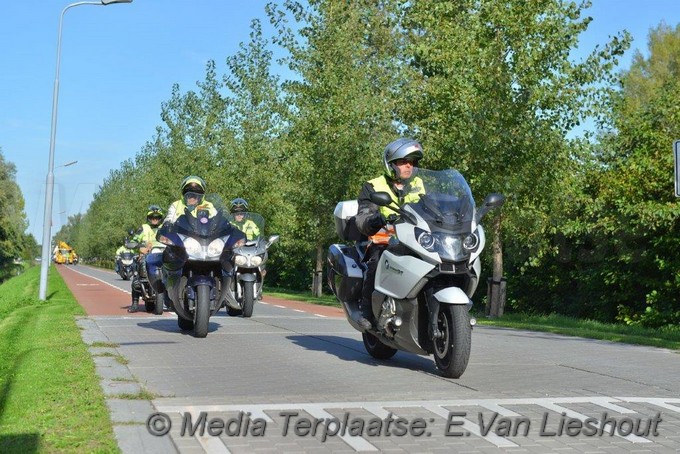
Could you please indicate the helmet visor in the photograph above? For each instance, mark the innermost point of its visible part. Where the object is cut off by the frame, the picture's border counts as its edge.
(193, 187)
(192, 198)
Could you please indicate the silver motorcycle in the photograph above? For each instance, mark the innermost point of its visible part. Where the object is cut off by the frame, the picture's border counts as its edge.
(249, 264)
(426, 276)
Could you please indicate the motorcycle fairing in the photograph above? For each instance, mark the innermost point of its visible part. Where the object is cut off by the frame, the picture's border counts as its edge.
(397, 275)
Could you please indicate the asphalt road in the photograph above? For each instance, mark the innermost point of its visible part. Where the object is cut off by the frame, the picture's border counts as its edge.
(296, 378)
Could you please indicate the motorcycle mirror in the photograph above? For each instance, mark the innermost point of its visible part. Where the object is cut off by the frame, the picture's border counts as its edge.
(381, 198)
(493, 200)
(273, 239)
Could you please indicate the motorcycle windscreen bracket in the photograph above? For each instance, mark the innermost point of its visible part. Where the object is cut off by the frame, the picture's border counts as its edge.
(397, 275)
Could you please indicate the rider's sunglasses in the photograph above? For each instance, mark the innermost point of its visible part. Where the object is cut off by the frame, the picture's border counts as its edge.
(404, 161)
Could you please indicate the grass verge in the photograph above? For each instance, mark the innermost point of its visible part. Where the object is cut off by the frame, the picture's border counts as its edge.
(558, 324)
(50, 398)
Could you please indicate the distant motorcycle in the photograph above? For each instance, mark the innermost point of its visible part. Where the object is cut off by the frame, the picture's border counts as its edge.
(249, 268)
(195, 291)
(426, 276)
(148, 280)
(125, 265)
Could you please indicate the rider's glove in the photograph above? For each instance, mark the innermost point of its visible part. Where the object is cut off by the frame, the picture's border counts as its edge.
(377, 221)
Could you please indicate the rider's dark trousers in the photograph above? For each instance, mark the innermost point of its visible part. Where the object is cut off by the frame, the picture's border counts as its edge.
(371, 259)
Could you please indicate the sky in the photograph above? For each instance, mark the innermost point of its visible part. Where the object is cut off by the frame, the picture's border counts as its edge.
(118, 65)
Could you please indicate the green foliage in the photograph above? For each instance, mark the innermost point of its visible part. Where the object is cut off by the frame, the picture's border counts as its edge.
(619, 246)
(12, 220)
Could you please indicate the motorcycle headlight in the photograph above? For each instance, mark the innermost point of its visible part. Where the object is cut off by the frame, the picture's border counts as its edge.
(471, 242)
(256, 261)
(215, 248)
(425, 239)
(240, 260)
(126, 262)
(192, 246)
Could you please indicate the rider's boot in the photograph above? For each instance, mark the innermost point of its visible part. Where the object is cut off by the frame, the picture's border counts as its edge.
(226, 295)
(134, 307)
(363, 316)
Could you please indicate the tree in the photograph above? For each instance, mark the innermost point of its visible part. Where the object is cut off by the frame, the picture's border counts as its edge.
(495, 93)
(12, 219)
(635, 227)
(343, 99)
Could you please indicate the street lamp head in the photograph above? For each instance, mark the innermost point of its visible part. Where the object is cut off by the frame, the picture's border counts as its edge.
(69, 164)
(109, 2)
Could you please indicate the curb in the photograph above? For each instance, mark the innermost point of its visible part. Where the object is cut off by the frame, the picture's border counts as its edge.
(128, 414)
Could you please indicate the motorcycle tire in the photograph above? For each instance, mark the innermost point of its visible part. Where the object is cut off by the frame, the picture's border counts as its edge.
(160, 301)
(233, 312)
(452, 351)
(184, 324)
(248, 299)
(377, 349)
(202, 316)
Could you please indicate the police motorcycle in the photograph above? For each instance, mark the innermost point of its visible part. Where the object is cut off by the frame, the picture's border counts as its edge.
(147, 271)
(426, 276)
(198, 241)
(249, 267)
(125, 265)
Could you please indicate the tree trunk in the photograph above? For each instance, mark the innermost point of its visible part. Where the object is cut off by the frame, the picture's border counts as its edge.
(317, 280)
(496, 293)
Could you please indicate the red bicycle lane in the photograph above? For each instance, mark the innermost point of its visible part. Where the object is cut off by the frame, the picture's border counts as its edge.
(101, 298)
(96, 296)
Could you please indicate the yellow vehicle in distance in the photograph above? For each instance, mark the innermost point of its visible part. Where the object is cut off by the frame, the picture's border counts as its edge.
(64, 254)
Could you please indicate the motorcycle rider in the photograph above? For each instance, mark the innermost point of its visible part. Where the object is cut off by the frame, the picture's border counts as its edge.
(193, 196)
(400, 159)
(193, 190)
(120, 251)
(239, 209)
(146, 236)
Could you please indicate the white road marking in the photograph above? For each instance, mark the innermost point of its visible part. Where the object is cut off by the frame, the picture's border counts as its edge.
(440, 408)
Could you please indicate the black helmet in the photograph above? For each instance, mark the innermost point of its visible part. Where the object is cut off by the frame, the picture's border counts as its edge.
(400, 149)
(238, 205)
(193, 183)
(154, 212)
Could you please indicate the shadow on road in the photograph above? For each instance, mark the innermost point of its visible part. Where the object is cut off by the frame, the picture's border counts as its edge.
(353, 350)
(169, 325)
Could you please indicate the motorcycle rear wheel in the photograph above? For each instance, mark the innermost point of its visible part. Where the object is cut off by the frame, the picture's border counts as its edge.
(452, 351)
(377, 349)
(234, 312)
(202, 316)
(184, 324)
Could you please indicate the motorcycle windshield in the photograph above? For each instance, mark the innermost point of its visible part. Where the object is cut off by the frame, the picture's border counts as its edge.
(126, 256)
(204, 221)
(447, 203)
(250, 223)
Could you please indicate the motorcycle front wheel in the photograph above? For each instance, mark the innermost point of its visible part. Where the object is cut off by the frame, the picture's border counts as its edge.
(202, 316)
(377, 349)
(452, 350)
(160, 302)
(248, 299)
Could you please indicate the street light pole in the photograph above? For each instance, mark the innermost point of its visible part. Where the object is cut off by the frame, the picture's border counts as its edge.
(49, 187)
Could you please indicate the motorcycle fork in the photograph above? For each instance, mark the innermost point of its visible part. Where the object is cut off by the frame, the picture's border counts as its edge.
(433, 331)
